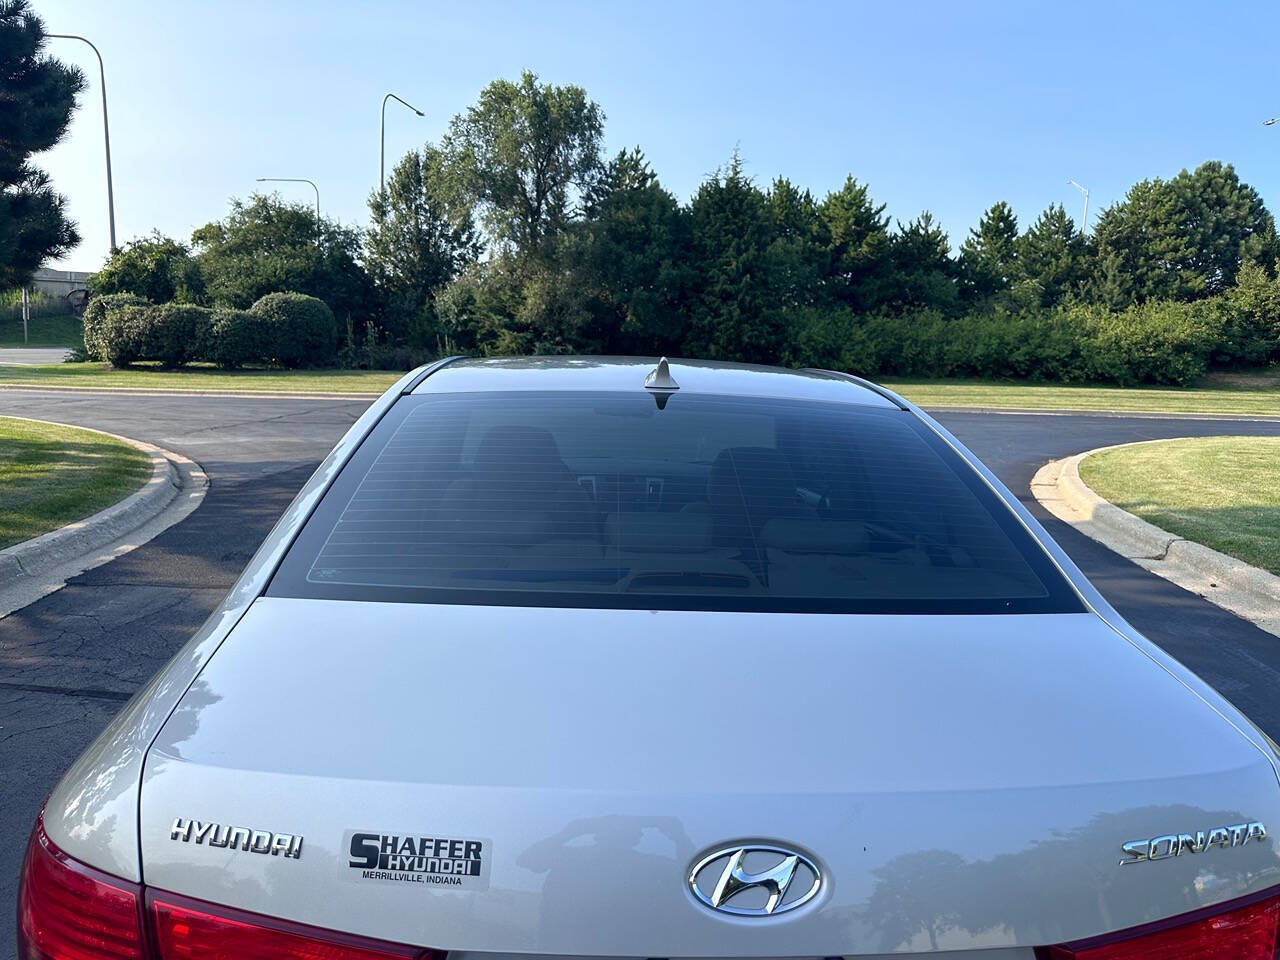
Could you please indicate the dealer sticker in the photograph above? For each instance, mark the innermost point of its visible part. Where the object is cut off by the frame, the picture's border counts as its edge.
(447, 863)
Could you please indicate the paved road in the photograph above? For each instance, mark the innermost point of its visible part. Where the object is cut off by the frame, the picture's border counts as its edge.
(28, 355)
(70, 660)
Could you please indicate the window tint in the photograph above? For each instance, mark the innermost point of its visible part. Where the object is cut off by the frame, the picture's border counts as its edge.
(727, 503)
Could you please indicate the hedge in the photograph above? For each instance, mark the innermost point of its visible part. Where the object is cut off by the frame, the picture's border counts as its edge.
(95, 313)
(285, 329)
(1161, 342)
(1158, 342)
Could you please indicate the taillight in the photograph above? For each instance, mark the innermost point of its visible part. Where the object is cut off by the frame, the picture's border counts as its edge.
(68, 911)
(189, 930)
(1245, 932)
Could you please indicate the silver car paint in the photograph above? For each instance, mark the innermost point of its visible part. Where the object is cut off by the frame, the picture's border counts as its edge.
(91, 813)
(916, 760)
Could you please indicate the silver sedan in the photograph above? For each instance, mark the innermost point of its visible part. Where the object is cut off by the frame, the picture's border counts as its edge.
(579, 657)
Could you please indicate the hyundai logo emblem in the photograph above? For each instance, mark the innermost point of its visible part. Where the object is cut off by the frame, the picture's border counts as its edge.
(754, 880)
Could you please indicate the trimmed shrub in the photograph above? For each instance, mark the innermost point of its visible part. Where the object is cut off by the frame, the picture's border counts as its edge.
(95, 313)
(237, 337)
(177, 333)
(122, 335)
(298, 330)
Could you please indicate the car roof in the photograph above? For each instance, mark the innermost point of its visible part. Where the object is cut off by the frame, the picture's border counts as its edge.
(470, 375)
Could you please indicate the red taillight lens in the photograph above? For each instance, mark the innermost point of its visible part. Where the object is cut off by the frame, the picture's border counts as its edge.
(1242, 933)
(187, 930)
(67, 911)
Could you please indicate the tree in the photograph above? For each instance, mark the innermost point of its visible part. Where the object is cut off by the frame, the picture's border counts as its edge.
(37, 94)
(856, 233)
(1185, 238)
(1051, 257)
(733, 315)
(157, 268)
(522, 154)
(269, 246)
(417, 242)
(796, 259)
(631, 257)
(924, 274)
(988, 259)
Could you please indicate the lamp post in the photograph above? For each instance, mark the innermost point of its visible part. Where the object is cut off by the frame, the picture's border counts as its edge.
(382, 137)
(1084, 220)
(299, 180)
(106, 130)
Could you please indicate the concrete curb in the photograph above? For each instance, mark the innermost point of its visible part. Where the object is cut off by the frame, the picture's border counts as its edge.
(37, 567)
(1246, 591)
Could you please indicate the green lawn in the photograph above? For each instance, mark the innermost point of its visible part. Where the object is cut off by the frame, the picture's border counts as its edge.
(1256, 393)
(1219, 491)
(61, 330)
(52, 475)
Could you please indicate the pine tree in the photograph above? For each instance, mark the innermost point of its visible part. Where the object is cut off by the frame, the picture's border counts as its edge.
(36, 101)
(1051, 256)
(988, 259)
(731, 315)
(856, 231)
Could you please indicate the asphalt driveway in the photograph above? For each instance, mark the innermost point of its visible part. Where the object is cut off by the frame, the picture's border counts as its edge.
(68, 661)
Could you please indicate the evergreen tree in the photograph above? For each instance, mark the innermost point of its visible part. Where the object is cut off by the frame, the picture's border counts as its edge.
(988, 259)
(632, 260)
(924, 274)
(796, 256)
(732, 316)
(1051, 257)
(37, 96)
(856, 232)
(1185, 238)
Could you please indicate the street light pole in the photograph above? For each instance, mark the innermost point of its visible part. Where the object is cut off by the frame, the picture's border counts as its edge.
(298, 180)
(106, 129)
(382, 137)
(1084, 220)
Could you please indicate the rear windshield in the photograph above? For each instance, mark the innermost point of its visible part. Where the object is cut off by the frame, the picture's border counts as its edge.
(716, 503)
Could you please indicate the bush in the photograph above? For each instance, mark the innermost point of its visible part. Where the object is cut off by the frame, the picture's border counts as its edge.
(1157, 342)
(298, 330)
(1252, 331)
(95, 313)
(237, 337)
(176, 333)
(122, 335)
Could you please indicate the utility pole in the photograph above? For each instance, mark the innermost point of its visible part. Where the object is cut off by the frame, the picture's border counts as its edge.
(1084, 220)
(106, 130)
(26, 314)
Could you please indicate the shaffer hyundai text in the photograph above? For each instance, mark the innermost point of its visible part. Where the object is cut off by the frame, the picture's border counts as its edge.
(580, 657)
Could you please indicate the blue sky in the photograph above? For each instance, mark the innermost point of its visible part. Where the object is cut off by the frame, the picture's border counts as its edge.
(940, 106)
